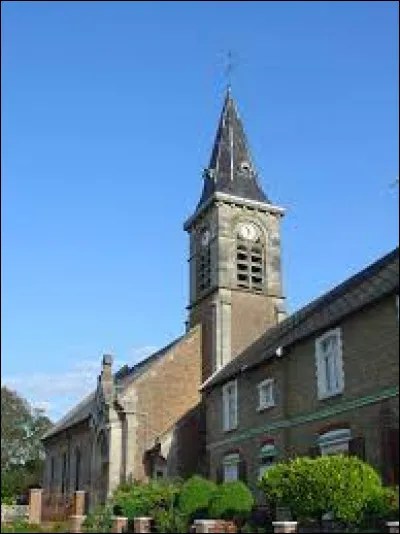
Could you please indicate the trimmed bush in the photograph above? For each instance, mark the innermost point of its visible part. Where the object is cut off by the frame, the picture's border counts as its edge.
(195, 497)
(338, 484)
(144, 499)
(383, 505)
(232, 501)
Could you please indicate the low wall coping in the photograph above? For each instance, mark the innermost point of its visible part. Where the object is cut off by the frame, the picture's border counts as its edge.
(286, 523)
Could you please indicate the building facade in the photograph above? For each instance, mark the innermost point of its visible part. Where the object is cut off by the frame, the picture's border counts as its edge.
(132, 427)
(325, 380)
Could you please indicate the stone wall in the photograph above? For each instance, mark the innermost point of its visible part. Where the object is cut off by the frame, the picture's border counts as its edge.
(13, 512)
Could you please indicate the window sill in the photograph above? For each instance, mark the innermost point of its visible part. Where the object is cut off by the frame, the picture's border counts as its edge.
(232, 429)
(330, 395)
(266, 407)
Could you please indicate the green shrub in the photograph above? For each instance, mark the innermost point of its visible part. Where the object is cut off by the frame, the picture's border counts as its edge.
(170, 521)
(141, 499)
(99, 520)
(195, 497)
(382, 505)
(20, 526)
(232, 500)
(311, 487)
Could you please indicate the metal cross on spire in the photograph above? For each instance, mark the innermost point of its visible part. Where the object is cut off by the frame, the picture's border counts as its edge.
(229, 69)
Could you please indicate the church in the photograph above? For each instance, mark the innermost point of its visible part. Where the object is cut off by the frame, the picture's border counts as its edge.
(221, 400)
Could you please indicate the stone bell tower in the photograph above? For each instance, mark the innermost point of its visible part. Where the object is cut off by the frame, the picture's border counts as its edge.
(235, 253)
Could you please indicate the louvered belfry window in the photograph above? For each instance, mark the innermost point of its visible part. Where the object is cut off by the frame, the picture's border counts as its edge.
(204, 261)
(249, 263)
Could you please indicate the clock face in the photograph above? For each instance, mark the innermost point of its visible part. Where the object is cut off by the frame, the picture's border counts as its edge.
(205, 237)
(248, 231)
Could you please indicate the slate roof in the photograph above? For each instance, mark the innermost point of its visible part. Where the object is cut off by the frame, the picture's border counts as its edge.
(369, 285)
(231, 169)
(123, 377)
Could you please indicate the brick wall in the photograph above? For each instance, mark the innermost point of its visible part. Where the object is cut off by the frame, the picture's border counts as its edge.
(371, 363)
(166, 393)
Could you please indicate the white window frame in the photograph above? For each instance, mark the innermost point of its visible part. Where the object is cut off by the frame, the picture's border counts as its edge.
(270, 384)
(335, 441)
(230, 465)
(336, 367)
(229, 422)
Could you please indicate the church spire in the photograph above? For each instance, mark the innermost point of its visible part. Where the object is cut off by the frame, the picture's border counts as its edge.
(231, 168)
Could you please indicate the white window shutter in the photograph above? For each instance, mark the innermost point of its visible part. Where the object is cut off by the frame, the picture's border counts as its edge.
(235, 419)
(320, 375)
(225, 409)
(339, 361)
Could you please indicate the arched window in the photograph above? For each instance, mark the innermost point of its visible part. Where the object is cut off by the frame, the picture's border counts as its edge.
(64, 474)
(52, 471)
(77, 468)
(250, 255)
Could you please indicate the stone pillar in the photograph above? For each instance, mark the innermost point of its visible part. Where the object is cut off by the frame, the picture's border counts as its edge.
(142, 524)
(284, 526)
(79, 502)
(204, 525)
(393, 526)
(130, 440)
(120, 524)
(35, 506)
(114, 452)
(76, 522)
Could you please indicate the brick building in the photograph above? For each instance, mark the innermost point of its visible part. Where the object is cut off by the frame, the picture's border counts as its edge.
(239, 349)
(132, 426)
(324, 380)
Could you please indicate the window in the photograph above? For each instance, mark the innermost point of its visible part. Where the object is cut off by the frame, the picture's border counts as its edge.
(204, 260)
(267, 457)
(266, 394)
(231, 467)
(328, 352)
(335, 441)
(52, 471)
(64, 474)
(249, 262)
(77, 468)
(229, 403)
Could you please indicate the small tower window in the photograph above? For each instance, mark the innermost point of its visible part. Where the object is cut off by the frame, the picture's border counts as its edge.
(249, 259)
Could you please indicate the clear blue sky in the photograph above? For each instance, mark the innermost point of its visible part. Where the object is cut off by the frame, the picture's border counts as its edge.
(109, 110)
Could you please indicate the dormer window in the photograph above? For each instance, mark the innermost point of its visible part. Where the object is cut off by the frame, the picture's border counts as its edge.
(249, 258)
(245, 166)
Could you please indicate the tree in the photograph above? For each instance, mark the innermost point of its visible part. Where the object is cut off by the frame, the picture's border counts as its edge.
(21, 449)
